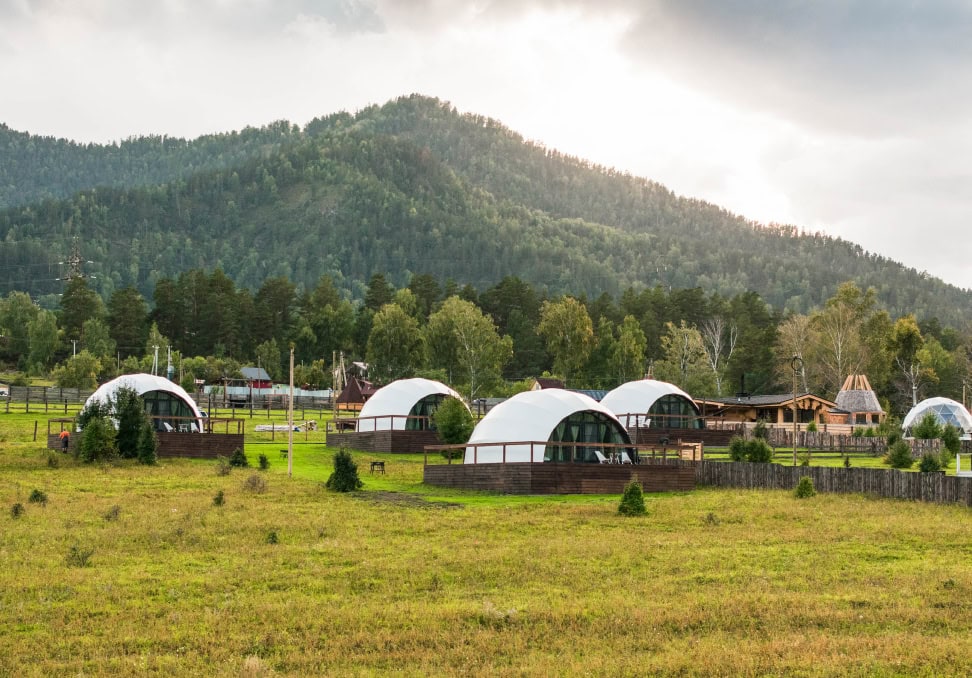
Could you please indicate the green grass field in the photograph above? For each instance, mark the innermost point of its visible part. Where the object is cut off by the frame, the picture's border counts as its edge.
(406, 579)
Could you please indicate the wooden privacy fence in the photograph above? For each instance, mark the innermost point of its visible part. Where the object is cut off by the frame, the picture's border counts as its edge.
(893, 484)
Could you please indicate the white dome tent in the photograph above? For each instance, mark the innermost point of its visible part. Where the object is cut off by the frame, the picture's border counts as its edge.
(548, 415)
(391, 407)
(166, 401)
(649, 402)
(945, 409)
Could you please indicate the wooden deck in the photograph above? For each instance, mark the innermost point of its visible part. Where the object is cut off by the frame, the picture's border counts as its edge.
(383, 441)
(557, 478)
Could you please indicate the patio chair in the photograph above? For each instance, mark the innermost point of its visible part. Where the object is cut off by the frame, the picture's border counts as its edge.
(625, 459)
(601, 459)
(167, 426)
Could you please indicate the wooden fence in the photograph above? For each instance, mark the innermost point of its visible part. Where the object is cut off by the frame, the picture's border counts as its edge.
(890, 483)
(29, 399)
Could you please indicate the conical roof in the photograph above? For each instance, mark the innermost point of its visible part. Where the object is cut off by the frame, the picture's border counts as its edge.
(857, 396)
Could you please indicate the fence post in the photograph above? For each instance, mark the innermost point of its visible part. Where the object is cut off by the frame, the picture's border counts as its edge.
(35, 430)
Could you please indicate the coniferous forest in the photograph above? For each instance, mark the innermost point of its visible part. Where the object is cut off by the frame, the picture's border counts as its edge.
(409, 219)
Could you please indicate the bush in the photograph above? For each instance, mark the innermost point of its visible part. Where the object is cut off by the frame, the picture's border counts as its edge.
(928, 427)
(345, 475)
(52, 460)
(858, 432)
(239, 459)
(38, 497)
(113, 513)
(264, 462)
(453, 422)
(899, 455)
(97, 441)
(812, 427)
(759, 452)
(869, 432)
(893, 436)
(78, 557)
(633, 500)
(951, 441)
(759, 431)
(223, 467)
(929, 463)
(804, 488)
(147, 449)
(272, 537)
(737, 449)
(256, 484)
(219, 499)
(17, 510)
(756, 450)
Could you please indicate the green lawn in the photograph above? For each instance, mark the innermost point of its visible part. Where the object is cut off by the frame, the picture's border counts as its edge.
(405, 579)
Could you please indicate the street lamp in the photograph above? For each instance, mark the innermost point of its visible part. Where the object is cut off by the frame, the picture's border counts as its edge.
(796, 364)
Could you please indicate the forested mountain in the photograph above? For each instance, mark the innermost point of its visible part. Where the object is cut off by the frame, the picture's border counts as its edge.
(408, 187)
(36, 168)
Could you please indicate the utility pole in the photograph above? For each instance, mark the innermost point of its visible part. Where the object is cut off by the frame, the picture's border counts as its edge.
(155, 359)
(290, 419)
(796, 364)
(74, 349)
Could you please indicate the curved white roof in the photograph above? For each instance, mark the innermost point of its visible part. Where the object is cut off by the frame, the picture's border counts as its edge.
(530, 416)
(398, 398)
(637, 397)
(142, 383)
(947, 410)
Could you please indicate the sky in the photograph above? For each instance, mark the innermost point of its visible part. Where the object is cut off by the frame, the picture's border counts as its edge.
(848, 117)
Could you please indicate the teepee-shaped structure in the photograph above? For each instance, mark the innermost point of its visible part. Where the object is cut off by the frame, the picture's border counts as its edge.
(859, 401)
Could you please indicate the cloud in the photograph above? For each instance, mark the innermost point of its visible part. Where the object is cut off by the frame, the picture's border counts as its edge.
(859, 66)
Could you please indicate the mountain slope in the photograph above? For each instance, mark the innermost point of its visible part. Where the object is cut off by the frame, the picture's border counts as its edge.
(414, 187)
(36, 168)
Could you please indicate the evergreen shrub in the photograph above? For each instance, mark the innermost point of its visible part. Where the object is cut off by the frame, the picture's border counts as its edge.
(345, 476)
(804, 488)
(633, 500)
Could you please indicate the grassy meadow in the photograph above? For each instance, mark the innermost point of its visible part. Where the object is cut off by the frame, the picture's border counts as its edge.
(128, 570)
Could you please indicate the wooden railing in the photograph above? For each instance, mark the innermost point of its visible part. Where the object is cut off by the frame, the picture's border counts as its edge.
(354, 425)
(638, 454)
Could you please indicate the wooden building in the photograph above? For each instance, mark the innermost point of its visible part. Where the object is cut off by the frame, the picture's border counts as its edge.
(857, 403)
(773, 409)
(355, 394)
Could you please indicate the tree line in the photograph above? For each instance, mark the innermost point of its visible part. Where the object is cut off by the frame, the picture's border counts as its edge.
(483, 341)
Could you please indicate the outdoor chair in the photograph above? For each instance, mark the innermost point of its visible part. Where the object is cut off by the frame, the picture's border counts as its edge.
(167, 426)
(625, 459)
(601, 459)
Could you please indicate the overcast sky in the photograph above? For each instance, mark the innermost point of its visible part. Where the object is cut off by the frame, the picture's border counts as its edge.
(844, 116)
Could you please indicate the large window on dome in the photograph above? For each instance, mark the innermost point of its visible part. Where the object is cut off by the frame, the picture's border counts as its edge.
(169, 408)
(595, 428)
(674, 411)
(426, 407)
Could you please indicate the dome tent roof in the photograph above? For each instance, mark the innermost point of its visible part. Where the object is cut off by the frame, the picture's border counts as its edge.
(396, 400)
(142, 384)
(527, 417)
(947, 410)
(637, 397)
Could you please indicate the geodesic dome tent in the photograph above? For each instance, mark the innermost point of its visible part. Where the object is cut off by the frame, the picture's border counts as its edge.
(652, 403)
(945, 409)
(403, 405)
(167, 402)
(549, 415)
